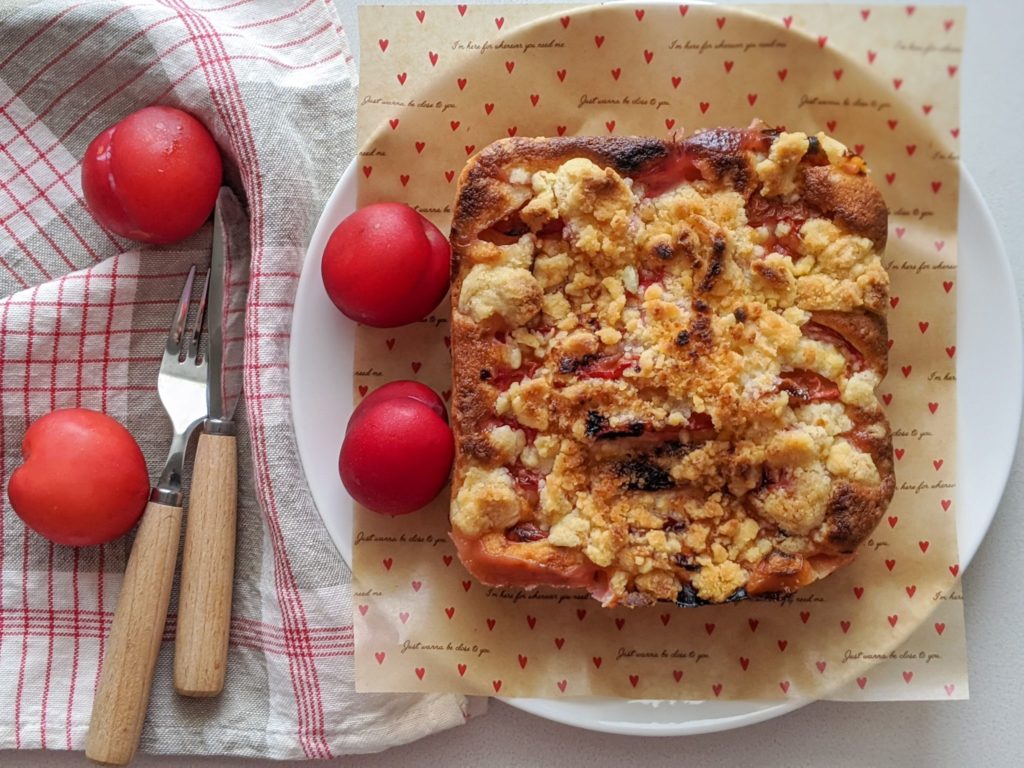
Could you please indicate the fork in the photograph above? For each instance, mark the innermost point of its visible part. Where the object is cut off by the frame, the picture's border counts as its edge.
(119, 709)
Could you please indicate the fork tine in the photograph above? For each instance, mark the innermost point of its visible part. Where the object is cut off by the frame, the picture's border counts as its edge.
(181, 315)
(197, 328)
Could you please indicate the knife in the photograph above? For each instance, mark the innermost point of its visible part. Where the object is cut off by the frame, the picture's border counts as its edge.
(208, 564)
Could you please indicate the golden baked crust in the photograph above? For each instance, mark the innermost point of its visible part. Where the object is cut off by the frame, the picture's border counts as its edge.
(665, 363)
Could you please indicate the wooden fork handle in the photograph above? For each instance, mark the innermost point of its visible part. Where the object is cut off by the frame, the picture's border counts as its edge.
(207, 571)
(119, 709)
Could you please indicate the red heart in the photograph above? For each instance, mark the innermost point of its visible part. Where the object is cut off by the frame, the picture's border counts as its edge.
(454, 124)
(955, 133)
(784, 685)
(462, 669)
(676, 80)
(610, 125)
(949, 689)
(404, 178)
(490, 624)
(449, 175)
(954, 569)
(683, 9)
(821, 666)
(947, 24)
(923, 545)
(893, 124)
(421, 15)
(449, 611)
(717, 688)
(665, 619)
(416, 367)
(677, 674)
(859, 592)
(639, 12)
(367, 170)
(945, 504)
(751, 98)
(648, 55)
(911, 149)
(416, 585)
(865, 13)
(936, 186)
(906, 369)
(461, 82)
(744, 662)
(822, 39)
(560, 130)
(951, 69)
(923, 326)
(897, 82)
(363, 389)
(559, 642)
(837, 74)
(510, 65)
(462, 9)
(704, 107)
(947, 285)
(887, 398)
(466, 585)
(872, 55)
(499, 22)
(597, 661)
(900, 232)
(393, 122)
(616, 72)
(926, 108)
(908, 676)
(899, 454)
(940, 627)
(419, 146)
(890, 564)
(488, 108)
(380, 656)
(933, 407)
(858, 149)
(728, 66)
(634, 679)
(383, 43)
(401, 78)
(581, 613)
(433, 58)
(862, 681)
(669, 122)
(363, 609)
(522, 661)
(911, 590)
(420, 672)
(598, 40)
(720, 21)
(565, 22)
(845, 626)
(782, 74)
(805, 616)
(512, 130)
(782, 645)
(893, 619)
(753, 624)
(403, 616)
(561, 75)
(831, 125)
(534, 98)
(531, 621)
(937, 463)
(709, 628)
(561, 685)
(447, 560)
(893, 519)
(388, 562)
(469, 148)
(497, 685)
(939, 245)
(890, 178)
(911, 9)
(620, 623)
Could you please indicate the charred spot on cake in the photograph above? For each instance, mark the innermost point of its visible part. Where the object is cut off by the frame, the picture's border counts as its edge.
(701, 306)
(716, 267)
(688, 598)
(664, 251)
(850, 517)
(700, 330)
(572, 364)
(632, 430)
(683, 338)
(477, 446)
(673, 449)
(642, 474)
(718, 154)
(595, 424)
(675, 526)
(485, 375)
(740, 314)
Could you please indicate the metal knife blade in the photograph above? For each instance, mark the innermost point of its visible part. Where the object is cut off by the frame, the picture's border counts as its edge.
(228, 283)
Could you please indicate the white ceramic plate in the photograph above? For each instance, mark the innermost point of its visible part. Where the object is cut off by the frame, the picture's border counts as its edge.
(990, 389)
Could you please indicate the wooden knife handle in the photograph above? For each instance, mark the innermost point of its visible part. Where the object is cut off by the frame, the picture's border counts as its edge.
(119, 709)
(207, 571)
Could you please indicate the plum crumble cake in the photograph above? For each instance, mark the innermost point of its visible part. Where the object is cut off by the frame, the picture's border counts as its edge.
(665, 362)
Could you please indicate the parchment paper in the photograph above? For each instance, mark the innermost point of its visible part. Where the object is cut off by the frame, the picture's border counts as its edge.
(440, 82)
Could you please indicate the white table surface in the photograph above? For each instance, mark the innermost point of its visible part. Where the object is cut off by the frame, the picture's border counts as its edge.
(986, 731)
